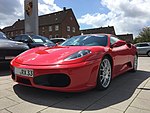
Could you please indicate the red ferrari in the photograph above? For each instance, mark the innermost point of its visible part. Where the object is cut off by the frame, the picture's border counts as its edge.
(78, 64)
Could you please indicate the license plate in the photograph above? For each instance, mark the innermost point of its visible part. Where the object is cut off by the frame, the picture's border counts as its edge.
(9, 57)
(24, 72)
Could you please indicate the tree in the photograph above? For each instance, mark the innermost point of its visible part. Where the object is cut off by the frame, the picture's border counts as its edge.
(144, 35)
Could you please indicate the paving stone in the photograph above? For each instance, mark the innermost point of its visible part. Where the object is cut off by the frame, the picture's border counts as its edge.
(141, 103)
(11, 89)
(4, 111)
(5, 86)
(136, 110)
(122, 106)
(4, 93)
(5, 81)
(81, 101)
(5, 78)
(58, 110)
(144, 94)
(116, 99)
(103, 110)
(15, 98)
(26, 108)
(4, 103)
(147, 86)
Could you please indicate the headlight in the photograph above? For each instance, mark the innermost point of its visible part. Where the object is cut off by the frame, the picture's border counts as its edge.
(78, 54)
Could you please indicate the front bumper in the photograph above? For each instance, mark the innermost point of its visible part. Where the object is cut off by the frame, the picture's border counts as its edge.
(79, 77)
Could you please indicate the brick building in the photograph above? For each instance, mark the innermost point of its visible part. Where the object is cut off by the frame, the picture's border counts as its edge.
(58, 24)
(127, 37)
(108, 30)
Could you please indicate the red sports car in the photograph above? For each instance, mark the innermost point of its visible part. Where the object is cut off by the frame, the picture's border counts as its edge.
(78, 64)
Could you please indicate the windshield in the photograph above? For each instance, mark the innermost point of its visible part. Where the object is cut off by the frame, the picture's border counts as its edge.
(2, 36)
(40, 39)
(100, 40)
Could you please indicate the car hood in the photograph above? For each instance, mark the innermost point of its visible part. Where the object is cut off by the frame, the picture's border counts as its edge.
(50, 55)
(12, 44)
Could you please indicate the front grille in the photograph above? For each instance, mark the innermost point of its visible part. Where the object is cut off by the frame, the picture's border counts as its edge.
(53, 80)
(23, 80)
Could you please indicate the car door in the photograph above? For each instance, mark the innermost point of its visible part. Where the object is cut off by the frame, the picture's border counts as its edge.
(120, 56)
(142, 48)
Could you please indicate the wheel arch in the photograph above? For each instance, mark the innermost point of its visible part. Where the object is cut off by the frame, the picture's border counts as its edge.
(110, 58)
(148, 52)
(111, 61)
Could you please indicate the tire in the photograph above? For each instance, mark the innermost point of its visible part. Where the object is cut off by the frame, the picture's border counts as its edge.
(135, 64)
(148, 53)
(104, 74)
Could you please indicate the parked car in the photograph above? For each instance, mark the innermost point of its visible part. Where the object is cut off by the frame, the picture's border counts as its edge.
(143, 48)
(57, 40)
(78, 64)
(34, 40)
(9, 49)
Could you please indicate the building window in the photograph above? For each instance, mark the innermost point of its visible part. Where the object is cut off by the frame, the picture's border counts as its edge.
(56, 27)
(68, 28)
(73, 29)
(56, 36)
(21, 31)
(50, 28)
(43, 32)
(68, 36)
(50, 36)
(12, 34)
(8, 34)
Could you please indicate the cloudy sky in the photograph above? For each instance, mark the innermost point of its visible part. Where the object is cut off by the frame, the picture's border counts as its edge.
(127, 16)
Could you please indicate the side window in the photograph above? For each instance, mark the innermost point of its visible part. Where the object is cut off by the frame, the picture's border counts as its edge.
(24, 37)
(18, 38)
(113, 40)
(137, 45)
(143, 45)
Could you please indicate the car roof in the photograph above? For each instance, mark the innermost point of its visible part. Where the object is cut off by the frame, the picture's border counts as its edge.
(143, 43)
(58, 38)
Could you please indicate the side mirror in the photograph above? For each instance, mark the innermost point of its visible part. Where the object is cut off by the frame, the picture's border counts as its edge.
(118, 43)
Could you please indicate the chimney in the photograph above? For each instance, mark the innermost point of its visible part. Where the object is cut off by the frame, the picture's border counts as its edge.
(64, 8)
(18, 19)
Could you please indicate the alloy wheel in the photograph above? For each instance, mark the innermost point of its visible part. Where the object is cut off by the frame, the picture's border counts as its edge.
(105, 72)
